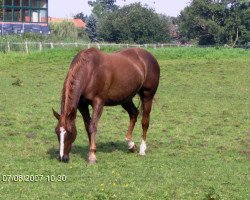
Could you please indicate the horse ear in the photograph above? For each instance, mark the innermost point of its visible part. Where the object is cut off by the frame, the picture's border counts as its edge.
(57, 116)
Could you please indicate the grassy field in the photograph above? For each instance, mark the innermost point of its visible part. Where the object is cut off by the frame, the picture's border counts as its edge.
(198, 140)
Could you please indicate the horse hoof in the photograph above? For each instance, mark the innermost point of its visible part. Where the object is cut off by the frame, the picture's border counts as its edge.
(133, 149)
(142, 153)
(91, 162)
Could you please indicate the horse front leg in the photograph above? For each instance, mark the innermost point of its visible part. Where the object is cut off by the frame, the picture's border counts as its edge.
(84, 110)
(97, 111)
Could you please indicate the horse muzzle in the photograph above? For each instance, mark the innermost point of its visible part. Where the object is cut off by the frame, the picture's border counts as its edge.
(64, 158)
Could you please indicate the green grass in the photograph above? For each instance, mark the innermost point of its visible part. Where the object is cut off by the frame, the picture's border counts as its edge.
(198, 140)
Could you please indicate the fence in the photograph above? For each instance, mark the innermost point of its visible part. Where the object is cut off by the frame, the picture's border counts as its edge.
(39, 46)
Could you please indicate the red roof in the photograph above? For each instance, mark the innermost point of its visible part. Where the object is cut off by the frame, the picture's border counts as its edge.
(77, 22)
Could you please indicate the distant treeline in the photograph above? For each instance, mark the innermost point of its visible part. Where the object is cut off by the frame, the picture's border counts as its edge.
(205, 22)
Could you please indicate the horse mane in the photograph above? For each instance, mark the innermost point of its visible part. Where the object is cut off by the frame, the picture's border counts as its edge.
(72, 82)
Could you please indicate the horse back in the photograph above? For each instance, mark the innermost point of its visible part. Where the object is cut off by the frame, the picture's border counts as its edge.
(152, 68)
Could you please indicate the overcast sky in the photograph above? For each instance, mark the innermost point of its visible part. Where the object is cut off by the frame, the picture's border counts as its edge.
(68, 8)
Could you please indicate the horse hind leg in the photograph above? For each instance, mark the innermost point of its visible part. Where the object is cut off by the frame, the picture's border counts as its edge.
(133, 114)
(146, 109)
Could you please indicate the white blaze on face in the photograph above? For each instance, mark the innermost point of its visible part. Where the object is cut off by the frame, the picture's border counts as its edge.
(143, 147)
(62, 135)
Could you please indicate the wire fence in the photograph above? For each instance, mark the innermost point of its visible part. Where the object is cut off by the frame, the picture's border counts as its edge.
(40, 46)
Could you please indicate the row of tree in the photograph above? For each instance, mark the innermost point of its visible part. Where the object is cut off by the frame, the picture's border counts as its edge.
(132, 23)
(213, 22)
(206, 22)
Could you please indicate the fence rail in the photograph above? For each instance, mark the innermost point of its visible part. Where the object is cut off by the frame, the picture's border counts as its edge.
(39, 46)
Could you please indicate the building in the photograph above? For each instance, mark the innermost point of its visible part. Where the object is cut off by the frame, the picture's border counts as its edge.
(19, 16)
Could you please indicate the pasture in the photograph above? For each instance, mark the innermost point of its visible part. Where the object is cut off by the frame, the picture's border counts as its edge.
(198, 139)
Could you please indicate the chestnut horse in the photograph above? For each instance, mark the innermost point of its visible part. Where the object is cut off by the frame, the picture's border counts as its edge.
(100, 79)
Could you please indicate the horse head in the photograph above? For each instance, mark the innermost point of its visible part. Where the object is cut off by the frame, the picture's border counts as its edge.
(66, 133)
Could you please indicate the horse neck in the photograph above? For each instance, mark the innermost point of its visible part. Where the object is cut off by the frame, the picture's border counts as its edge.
(74, 84)
(70, 97)
(68, 112)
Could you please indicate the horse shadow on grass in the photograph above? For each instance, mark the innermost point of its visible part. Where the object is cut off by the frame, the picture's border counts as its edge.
(104, 147)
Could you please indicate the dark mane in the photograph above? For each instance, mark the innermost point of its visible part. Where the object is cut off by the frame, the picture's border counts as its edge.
(73, 78)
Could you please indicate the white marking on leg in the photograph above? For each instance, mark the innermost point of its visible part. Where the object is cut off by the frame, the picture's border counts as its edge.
(131, 144)
(62, 134)
(143, 147)
(92, 157)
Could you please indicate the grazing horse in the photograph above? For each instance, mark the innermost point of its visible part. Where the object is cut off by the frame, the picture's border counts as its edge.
(100, 79)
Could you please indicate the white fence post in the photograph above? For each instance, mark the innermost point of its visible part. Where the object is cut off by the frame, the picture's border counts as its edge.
(8, 46)
(40, 46)
(88, 45)
(26, 47)
(51, 45)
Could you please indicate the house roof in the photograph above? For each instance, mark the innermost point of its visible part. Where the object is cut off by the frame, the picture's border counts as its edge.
(77, 22)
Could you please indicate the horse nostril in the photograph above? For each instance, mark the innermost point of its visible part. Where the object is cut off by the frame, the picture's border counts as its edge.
(64, 159)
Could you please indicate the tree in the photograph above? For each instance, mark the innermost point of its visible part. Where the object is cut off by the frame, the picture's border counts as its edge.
(81, 16)
(102, 7)
(134, 23)
(201, 20)
(64, 30)
(214, 21)
(238, 22)
(91, 28)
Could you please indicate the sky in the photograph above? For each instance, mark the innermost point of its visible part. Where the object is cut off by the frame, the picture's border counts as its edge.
(68, 8)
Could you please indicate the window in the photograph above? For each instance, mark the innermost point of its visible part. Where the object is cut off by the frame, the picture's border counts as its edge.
(34, 4)
(43, 4)
(34, 16)
(17, 3)
(17, 15)
(43, 16)
(8, 2)
(26, 3)
(26, 15)
(8, 15)
(1, 14)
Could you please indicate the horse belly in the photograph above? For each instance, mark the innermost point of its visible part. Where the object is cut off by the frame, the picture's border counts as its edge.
(122, 91)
